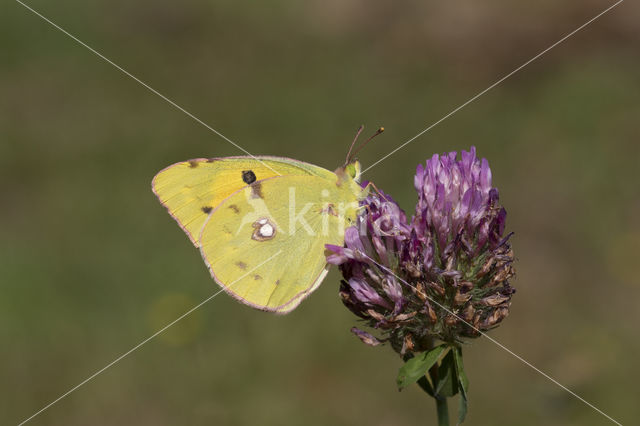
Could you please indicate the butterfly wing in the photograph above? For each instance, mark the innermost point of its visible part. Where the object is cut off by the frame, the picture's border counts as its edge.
(190, 190)
(286, 219)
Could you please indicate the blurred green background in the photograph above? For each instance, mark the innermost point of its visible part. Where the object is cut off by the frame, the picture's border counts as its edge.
(91, 264)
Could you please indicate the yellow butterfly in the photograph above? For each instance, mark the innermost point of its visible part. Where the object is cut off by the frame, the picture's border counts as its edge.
(261, 223)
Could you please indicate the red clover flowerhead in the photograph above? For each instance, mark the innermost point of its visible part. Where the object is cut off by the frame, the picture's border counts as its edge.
(442, 275)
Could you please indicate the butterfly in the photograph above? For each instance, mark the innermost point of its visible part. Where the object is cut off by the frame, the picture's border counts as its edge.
(261, 223)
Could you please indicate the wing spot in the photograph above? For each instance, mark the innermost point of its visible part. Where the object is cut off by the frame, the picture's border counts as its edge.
(193, 164)
(277, 282)
(264, 229)
(207, 209)
(234, 208)
(241, 265)
(248, 177)
(257, 277)
(330, 209)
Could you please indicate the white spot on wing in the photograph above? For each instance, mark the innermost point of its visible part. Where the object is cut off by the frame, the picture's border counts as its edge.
(266, 230)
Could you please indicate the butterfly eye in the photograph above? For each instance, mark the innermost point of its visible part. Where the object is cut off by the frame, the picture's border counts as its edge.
(248, 177)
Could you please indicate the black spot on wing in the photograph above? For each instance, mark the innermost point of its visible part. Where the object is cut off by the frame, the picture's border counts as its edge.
(241, 265)
(248, 177)
(193, 164)
(206, 209)
(257, 277)
(234, 208)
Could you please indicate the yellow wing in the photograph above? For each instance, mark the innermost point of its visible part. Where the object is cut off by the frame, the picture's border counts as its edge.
(190, 190)
(264, 244)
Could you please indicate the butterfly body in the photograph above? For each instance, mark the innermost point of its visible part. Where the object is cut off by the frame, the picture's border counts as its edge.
(241, 211)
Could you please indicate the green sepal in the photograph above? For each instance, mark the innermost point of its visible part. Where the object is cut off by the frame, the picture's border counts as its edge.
(463, 383)
(447, 385)
(417, 367)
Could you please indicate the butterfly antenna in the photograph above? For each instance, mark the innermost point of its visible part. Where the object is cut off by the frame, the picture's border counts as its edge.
(360, 129)
(363, 144)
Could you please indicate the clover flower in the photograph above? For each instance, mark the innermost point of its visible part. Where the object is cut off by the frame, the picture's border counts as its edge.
(443, 275)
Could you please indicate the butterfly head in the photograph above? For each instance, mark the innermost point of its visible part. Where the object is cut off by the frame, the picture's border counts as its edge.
(353, 170)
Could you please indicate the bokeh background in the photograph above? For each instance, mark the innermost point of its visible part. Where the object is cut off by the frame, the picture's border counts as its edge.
(91, 264)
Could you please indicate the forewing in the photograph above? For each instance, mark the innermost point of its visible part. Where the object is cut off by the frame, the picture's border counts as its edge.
(190, 190)
(303, 213)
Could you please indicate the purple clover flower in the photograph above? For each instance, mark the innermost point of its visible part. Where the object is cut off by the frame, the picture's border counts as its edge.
(442, 275)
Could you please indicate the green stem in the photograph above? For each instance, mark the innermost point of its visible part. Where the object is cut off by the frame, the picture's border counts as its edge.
(443, 411)
(441, 401)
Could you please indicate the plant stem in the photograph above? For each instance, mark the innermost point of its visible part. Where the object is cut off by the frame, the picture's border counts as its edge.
(443, 411)
(441, 401)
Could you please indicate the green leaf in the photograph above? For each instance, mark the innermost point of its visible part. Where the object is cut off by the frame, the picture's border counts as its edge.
(416, 367)
(447, 380)
(463, 383)
(424, 383)
(462, 408)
